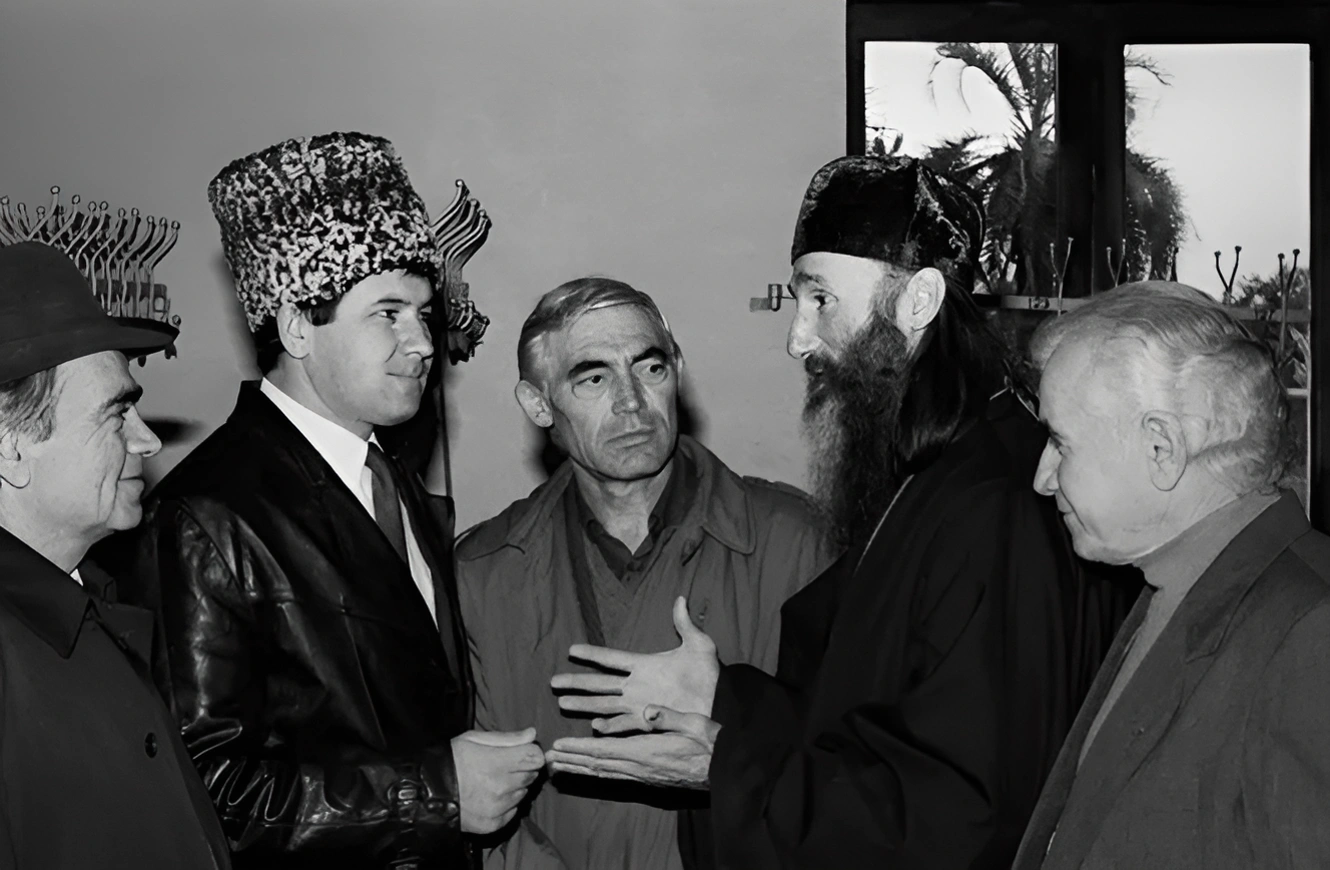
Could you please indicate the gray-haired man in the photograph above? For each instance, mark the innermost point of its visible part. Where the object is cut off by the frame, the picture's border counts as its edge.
(1203, 742)
(638, 516)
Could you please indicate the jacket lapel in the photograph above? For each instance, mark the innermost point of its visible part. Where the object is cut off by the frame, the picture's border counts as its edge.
(335, 521)
(1053, 800)
(432, 522)
(1141, 717)
(1165, 680)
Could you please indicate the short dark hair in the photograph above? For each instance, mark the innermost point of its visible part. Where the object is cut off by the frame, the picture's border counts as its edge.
(267, 343)
(27, 404)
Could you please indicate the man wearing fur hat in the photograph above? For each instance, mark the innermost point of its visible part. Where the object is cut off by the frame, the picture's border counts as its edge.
(926, 680)
(314, 652)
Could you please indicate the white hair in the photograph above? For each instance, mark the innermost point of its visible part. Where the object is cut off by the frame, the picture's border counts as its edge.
(1180, 351)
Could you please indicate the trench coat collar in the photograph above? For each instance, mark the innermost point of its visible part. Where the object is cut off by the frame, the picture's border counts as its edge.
(720, 507)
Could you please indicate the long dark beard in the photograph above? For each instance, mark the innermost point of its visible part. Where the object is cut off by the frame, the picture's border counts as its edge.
(851, 411)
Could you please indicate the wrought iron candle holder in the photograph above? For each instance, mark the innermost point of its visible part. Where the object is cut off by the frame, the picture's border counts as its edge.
(459, 232)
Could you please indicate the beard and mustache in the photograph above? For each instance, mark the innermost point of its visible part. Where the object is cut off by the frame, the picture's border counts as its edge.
(851, 413)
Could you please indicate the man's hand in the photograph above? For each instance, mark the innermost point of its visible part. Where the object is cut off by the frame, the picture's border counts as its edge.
(494, 770)
(679, 755)
(682, 679)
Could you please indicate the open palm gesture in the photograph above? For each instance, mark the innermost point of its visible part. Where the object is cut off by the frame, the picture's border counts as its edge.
(681, 679)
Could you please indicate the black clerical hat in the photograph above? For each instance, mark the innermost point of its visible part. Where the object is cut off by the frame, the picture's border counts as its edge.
(893, 209)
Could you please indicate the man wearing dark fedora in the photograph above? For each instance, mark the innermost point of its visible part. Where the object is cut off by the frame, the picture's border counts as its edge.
(92, 771)
(315, 655)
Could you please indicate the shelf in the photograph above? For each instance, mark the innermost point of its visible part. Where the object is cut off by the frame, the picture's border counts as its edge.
(1053, 305)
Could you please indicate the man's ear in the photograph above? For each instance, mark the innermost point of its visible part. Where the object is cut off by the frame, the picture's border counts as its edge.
(534, 403)
(920, 301)
(1166, 448)
(15, 470)
(294, 330)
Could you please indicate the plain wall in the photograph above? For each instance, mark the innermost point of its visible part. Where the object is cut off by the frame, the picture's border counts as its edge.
(666, 143)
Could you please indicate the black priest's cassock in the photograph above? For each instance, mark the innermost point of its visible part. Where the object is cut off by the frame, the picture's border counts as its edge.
(925, 681)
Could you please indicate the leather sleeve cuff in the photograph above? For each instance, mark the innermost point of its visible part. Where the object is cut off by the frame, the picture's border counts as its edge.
(438, 811)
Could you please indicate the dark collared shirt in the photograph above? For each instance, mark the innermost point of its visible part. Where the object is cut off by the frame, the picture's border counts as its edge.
(669, 510)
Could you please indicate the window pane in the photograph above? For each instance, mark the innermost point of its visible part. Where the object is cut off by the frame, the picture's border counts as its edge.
(1218, 157)
(984, 113)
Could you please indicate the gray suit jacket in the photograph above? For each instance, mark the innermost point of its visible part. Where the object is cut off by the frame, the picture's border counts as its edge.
(1217, 753)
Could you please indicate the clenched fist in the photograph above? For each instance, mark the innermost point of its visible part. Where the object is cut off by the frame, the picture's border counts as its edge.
(494, 771)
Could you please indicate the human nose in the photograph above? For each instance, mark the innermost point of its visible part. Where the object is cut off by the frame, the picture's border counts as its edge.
(414, 337)
(142, 440)
(1046, 475)
(802, 339)
(628, 398)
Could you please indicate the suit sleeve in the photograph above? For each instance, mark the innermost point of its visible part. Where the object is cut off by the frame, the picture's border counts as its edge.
(871, 789)
(1287, 751)
(374, 807)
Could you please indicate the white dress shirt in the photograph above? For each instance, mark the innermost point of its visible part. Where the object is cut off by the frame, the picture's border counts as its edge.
(346, 452)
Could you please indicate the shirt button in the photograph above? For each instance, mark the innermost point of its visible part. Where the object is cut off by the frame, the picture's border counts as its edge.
(150, 745)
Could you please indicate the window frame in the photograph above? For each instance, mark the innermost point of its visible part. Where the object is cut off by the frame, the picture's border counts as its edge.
(1091, 127)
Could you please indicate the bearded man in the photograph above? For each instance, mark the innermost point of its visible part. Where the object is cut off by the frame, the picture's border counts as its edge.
(926, 680)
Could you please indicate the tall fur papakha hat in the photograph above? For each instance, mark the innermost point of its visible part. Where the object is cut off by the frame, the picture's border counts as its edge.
(893, 209)
(307, 219)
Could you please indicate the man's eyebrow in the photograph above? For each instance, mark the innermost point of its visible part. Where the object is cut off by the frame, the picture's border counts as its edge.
(653, 352)
(125, 398)
(807, 278)
(587, 366)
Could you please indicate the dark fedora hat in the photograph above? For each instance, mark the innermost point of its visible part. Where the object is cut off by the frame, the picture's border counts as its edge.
(48, 314)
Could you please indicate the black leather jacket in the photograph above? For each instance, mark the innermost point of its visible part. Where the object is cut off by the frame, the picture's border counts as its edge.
(312, 689)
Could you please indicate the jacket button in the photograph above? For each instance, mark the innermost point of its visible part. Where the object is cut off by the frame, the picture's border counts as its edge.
(150, 745)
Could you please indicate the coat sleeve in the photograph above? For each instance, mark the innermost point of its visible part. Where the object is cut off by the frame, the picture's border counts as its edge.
(376, 807)
(1286, 783)
(8, 860)
(904, 781)
(484, 643)
(796, 549)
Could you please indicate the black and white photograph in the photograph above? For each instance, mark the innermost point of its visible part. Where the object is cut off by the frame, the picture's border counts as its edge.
(664, 435)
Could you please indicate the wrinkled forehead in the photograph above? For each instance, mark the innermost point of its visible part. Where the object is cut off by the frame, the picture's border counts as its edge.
(397, 285)
(844, 272)
(1086, 378)
(614, 334)
(84, 384)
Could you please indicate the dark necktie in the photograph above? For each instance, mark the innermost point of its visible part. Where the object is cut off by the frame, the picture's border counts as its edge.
(387, 506)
